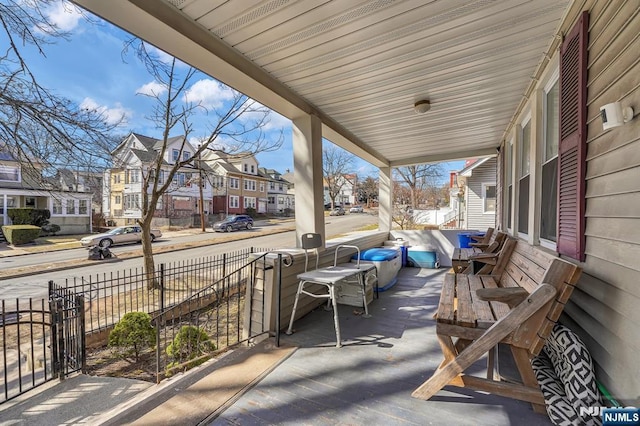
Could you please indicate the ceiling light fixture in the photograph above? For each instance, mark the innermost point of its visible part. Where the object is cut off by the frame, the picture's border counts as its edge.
(422, 106)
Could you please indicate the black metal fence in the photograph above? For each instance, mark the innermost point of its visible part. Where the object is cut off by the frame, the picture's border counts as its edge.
(42, 340)
(109, 296)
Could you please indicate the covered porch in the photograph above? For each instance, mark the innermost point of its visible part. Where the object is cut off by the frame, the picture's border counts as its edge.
(351, 73)
(370, 379)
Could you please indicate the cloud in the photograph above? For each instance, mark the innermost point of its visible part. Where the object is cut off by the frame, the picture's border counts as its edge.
(151, 89)
(63, 15)
(110, 115)
(208, 93)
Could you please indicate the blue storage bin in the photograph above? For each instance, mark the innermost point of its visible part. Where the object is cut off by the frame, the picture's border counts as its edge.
(377, 254)
(387, 262)
(423, 257)
(464, 238)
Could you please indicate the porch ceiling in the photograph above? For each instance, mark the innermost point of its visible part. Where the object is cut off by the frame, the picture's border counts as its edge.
(361, 64)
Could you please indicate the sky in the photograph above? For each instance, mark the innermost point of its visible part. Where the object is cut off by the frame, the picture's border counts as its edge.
(89, 69)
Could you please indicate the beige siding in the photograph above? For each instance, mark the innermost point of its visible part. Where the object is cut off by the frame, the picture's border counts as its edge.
(604, 311)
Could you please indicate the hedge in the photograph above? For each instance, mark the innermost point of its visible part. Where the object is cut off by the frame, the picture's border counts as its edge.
(21, 234)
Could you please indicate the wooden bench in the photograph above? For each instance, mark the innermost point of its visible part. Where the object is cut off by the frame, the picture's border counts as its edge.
(461, 256)
(517, 307)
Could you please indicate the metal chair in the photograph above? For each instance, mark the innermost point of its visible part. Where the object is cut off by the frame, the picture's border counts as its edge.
(328, 278)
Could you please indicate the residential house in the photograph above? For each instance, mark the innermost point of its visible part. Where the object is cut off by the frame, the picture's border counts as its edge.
(526, 78)
(345, 189)
(279, 199)
(237, 182)
(70, 208)
(133, 159)
(83, 181)
(477, 208)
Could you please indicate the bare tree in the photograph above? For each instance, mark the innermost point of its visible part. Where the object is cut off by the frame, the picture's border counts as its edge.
(417, 178)
(236, 127)
(336, 163)
(40, 129)
(368, 190)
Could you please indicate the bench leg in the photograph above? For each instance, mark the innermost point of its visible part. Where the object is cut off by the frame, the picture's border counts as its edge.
(443, 376)
(521, 358)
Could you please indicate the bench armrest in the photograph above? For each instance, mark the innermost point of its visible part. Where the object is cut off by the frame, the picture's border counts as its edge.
(512, 296)
(479, 245)
(486, 258)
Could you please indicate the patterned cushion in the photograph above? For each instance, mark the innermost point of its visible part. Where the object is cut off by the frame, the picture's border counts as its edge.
(564, 370)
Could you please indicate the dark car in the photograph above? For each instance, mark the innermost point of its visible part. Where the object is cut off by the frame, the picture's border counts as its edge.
(337, 211)
(233, 223)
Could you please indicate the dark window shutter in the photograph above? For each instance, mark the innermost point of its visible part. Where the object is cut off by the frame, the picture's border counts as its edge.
(573, 140)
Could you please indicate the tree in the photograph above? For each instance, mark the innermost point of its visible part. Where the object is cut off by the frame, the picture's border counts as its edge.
(417, 178)
(133, 333)
(236, 125)
(368, 190)
(40, 129)
(336, 164)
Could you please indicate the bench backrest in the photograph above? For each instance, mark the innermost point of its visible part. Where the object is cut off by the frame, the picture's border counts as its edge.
(529, 267)
(495, 245)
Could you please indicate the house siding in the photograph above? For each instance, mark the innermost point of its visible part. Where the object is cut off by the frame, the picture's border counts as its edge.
(604, 309)
(476, 217)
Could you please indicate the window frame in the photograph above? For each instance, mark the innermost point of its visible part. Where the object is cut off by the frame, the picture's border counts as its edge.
(552, 81)
(484, 197)
(520, 175)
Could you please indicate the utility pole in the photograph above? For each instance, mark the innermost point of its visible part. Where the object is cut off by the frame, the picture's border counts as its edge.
(200, 185)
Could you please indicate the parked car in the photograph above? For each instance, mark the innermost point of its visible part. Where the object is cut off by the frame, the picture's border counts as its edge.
(120, 235)
(337, 211)
(356, 209)
(234, 223)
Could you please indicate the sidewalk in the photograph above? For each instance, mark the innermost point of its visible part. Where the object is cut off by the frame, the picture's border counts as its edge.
(187, 398)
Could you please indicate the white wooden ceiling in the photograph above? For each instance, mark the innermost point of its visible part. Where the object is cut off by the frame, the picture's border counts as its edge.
(361, 64)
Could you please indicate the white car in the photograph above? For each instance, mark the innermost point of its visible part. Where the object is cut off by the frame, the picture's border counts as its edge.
(356, 209)
(120, 235)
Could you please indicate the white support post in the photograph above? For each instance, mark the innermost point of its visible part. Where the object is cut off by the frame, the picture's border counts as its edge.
(385, 199)
(308, 179)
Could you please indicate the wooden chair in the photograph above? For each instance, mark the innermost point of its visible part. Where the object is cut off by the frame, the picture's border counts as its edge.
(517, 308)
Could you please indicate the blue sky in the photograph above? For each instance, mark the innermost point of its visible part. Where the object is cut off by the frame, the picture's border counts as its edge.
(88, 68)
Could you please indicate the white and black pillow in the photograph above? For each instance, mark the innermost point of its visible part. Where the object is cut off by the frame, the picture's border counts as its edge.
(564, 370)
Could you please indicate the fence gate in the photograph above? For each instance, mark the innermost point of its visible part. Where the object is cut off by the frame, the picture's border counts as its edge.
(67, 331)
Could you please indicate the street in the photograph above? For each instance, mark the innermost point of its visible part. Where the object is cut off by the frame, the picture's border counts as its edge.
(35, 284)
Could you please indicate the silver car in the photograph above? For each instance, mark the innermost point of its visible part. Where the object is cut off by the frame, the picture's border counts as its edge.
(120, 235)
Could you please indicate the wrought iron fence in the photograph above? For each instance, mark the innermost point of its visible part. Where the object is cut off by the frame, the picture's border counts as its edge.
(109, 296)
(26, 339)
(212, 319)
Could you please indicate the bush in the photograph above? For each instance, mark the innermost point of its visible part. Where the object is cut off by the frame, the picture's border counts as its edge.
(36, 217)
(133, 333)
(50, 229)
(189, 343)
(21, 234)
(251, 212)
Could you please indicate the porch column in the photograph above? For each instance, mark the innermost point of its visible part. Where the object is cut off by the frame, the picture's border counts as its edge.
(385, 199)
(307, 176)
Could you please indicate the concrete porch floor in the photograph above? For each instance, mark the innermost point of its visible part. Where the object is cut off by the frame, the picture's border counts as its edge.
(370, 379)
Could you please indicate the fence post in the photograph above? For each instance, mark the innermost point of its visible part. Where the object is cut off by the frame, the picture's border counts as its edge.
(158, 348)
(80, 332)
(278, 272)
(59, 319)
(162, 302)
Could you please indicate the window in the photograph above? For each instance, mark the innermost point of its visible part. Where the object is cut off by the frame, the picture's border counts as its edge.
(117, 178)
(271, 200)
(186, 155)
(272, 185)
(489, 197)
(175, 155)
(246, 168)
(280, 187)
(161, 177)
(82, 207)
(234, 201)
(253, 168)
(280, 200)
(549, 191)
(9, 174)
(56, 207)
(132, 202)
(523, 176)
(30, 202)
(250, 202)
(261, 186)
(234, 183)
(249, 185)
(135, 176)
(71, 207)
(117, 200)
